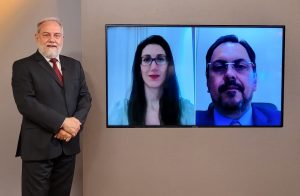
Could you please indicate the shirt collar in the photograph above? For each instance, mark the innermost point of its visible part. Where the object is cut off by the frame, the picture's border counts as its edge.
(55, 57)
(245, 120)
(48, 59)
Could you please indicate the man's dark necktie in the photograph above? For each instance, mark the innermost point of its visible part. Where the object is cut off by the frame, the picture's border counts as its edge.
(56, 70)
(235, 123)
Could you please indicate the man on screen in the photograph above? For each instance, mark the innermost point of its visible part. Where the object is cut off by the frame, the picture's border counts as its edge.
(231, 81)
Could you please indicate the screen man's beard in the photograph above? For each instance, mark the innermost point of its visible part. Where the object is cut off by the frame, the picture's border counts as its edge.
(231, 109)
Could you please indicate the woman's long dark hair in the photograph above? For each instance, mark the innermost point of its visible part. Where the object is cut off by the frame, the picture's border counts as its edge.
(169, 107)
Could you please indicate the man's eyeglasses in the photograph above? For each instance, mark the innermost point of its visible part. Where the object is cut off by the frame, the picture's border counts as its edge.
(221, 67)
(159, 60)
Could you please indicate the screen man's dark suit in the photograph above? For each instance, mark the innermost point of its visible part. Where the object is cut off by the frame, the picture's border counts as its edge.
(263, 114)
(45, 104)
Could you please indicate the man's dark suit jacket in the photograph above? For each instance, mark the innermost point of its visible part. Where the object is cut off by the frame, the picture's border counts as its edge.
(45, 104)
(263, 114)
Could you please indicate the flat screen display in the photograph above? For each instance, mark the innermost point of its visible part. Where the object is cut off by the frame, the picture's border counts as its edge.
(194, 75)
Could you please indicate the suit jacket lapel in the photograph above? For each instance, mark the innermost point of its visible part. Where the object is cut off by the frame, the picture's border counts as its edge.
(210, 115)
(67, 76)
(65, 72)
(205, 118)
(259, 118)
(45, 65)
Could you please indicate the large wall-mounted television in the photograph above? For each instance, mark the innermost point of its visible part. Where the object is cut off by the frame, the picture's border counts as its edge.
(194, 75)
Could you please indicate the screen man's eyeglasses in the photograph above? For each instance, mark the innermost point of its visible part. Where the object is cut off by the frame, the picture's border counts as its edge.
(221, 67)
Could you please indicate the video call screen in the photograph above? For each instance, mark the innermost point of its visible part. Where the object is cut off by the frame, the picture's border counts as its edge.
(239, 83)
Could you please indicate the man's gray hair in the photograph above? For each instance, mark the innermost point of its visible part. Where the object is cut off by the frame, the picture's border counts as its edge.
(49, 19)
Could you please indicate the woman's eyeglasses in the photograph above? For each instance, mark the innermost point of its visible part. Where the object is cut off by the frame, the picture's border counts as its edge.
(159, 60)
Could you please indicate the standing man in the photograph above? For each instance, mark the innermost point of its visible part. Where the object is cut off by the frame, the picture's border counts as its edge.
(51, 93)
(231, 81)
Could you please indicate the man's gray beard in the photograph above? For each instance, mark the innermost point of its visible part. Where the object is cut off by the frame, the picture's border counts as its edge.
(49, 53)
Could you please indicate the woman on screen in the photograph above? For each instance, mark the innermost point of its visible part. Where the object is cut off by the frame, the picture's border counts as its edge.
(154, 98)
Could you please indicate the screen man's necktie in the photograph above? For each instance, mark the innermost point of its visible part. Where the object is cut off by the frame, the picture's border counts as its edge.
(235, 123)
(56, 70)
